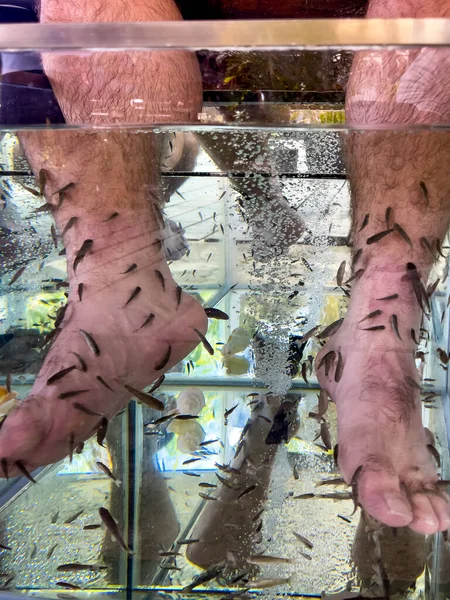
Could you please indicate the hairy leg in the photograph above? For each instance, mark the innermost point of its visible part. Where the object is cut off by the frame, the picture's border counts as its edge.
(109, 220)
(399, 182)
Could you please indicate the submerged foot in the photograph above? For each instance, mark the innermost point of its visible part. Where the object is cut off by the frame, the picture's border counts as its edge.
(126, 323)
(368, 369)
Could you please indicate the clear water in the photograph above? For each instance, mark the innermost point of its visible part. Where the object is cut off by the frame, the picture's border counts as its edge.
(227, 258)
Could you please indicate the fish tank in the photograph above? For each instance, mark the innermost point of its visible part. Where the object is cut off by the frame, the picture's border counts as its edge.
(202, 232)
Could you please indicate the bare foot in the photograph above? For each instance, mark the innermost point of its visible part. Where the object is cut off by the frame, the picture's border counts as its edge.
(379, 410)
(108, 335)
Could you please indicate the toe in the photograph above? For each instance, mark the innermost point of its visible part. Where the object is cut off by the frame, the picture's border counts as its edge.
(425, 520)
(441, 509)
(380, 495)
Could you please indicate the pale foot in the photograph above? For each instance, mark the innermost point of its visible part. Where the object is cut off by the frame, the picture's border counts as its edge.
(379, 409)
(228, 529)
(115, 309)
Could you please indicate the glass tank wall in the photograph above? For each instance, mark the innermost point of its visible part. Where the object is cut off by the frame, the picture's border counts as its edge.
(230, 487)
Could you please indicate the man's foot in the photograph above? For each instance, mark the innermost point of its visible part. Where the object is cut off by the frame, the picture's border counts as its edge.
(108, 335)
(382, 443)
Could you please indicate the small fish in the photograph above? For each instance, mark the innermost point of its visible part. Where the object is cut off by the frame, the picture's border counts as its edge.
(113, 528)
(264, 418)
(354, 485)
(90, 342)
(391, 297)
(209, 256)
(80, 567)
(83, 365)
(387, 216)
(308, 335)
(371, 315)
(42, 181)
(378, 236)
(157, 384)
(50, 552)
(261, 584)
(71, 394)
(228, 412)
(60, 375)
(210, 573)
(344, 518)
(304, 497)
(204, 341)
(19, 464)
(365, 222)
(261, 559)
(86, 410)
(443, 356)
(145, 398)
(167, 553)
(394, 325)
(31, 191)
(403, 234)
(4, 464)
(74, 517)
(207, 485)
(325, 435)
(413, 336)
(54, 236)
(92, 527)
(247, 491)
(334, 481)
(330, 329)
(186, 417)
(190, 461)
(54, 517)
(104, 383)
(178, 293)
(101, 430)
(44, 208)
(307, 265)
(206, 496)
(133, 295)
(435, 454)
(111, 217)
(80, 291)
(432, 288)
(374, 328)
(67, 585)
(426, 244)
(3, 547)
(161, 279)
(208, 442)
(439, 249)
(340, 273)
(187, 541)
(323, 403)
(16, 275)
(304, 367)
(339, 368)
(359, 273)
(356, 256)
(163, 362)
(304, 540)
(413, 276)
(336, 455)
(108, 472)
(86, 248)
(411, 382)
(130, 268)
(148, 320)
(215, 313)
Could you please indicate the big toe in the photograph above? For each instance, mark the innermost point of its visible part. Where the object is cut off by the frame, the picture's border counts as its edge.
(380, 495)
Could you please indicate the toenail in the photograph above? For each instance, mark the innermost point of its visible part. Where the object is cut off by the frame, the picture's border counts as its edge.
(397, 506)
